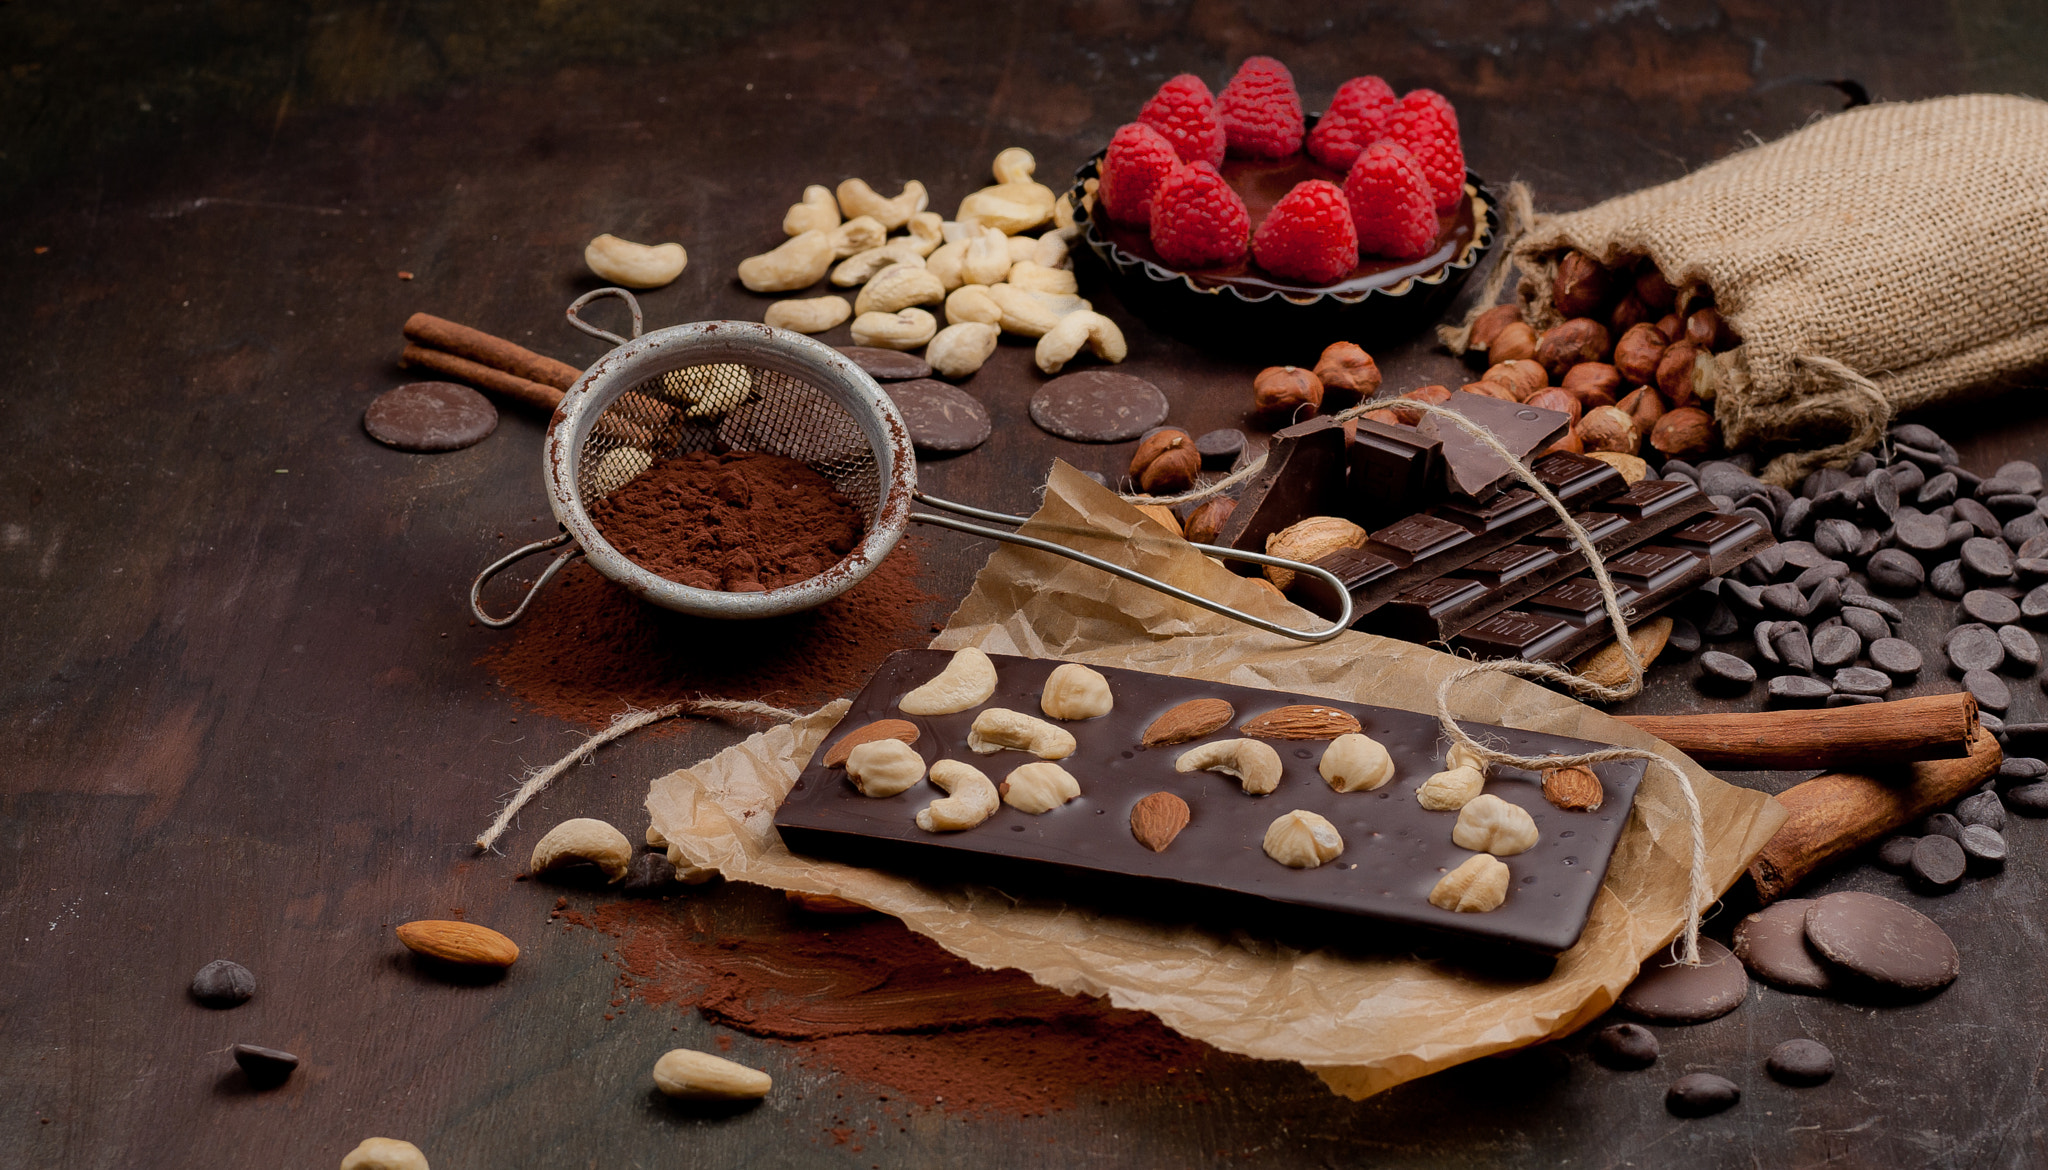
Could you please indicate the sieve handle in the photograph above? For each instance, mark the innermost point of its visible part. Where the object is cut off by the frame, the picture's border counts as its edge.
(476, 587)
(1337, 627)
(574, 313)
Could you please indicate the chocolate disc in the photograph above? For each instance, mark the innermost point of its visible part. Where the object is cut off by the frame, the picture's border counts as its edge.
(940, 417)
(887, 365)
(430, 416)
(1883, 941)
(1772, 944)
(1096, 406)
(1669, 992)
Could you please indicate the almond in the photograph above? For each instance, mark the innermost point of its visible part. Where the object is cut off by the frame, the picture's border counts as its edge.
(900, 729)
(1191, 720)
(464, 943)
(1576, 789)
(1158, 819)
(1301, 721)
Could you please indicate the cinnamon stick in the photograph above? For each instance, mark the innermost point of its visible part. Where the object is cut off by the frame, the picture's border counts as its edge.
(1841, 812)
(1873, 735)
(496, 352)
(496, 381)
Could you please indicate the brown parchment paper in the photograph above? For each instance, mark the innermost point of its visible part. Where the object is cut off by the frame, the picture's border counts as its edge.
(1362, 1024)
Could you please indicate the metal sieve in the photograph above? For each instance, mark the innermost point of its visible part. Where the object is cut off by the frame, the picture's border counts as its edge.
(727, 386)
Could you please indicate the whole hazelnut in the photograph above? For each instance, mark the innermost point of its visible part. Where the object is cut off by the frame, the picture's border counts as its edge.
(1166, 461)
(1389, 417)
(1490, 390)
(1637, 353)
(1348, 374)
(1580, 285)
(1521, 375)
(1570, 442)
(1593, 383)
(1609, 428)
(1654, 291)
(1675, 372)
(1705, 329)
(1208, 519)
(1685, 433)
(1628, 313)
(1488, 325)
(1644, 405)
(1557, 398)
(1515, 340)
(1434, 395)
(1672, 326)
(1286, 394)
(1580, 339)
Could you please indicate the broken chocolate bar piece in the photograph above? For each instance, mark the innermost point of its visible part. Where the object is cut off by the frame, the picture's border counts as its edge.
(1470, 468)
(1394, 471)
(1303, 477)
(1564, 622)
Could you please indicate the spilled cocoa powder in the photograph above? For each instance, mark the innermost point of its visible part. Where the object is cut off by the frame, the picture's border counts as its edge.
(880, 1004)
(740, 522)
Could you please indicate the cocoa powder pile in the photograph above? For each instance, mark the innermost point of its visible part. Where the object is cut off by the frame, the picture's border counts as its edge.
(740, 522)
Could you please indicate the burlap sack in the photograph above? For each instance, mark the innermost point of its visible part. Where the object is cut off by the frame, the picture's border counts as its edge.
(1879, 260)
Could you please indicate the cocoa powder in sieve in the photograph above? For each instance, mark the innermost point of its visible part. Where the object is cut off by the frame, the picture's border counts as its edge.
(740, 522)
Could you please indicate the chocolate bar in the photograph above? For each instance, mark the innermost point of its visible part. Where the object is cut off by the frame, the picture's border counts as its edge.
(1375, 894)
(1568, 619)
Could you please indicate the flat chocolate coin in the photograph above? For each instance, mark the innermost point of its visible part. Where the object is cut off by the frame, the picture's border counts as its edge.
(1097, 406)
(1888, 943)
(1701, 1095)
(1625, 1046)
(1669, 992)
(1800, 1062)
(941, 418)
(887, 365)
(430, 416)
(1772, 944)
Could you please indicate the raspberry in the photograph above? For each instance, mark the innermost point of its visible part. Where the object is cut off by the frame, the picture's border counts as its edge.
(1426, 124)
(1197, 220)
(1260, 112)
(1139, 157)
(1308, 235)
(1391, 206)
(1356, 119)
(1184, 111)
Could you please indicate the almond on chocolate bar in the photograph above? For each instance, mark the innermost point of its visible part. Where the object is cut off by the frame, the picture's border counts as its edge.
(1191, 720)
(1301, 721)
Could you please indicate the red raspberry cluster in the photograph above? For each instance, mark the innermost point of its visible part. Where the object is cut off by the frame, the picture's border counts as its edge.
(1402, 161)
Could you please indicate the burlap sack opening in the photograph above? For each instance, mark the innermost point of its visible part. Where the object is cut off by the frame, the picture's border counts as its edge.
(1881, 259)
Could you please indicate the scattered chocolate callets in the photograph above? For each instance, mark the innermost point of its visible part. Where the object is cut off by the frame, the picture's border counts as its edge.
(1797, 690)
(1985, 558)
(1867, 623)
(650, 874)
(430, 416)
(940, 417)
(1946, 579)
(1098, 406)
(1836, 646)
(1944, 824)
(1889, 568)
(1772, 945)
(1890, 944)
(1896, 855)
(1669, 992)
(1983, 848)
(1861, 682)
(1701, 1095)
(1684, 638)
(2022, 649)
(265, 1067)
(1802, 1063)
(1938, 864)
(1989, 690)
(1974, 647)
(1982, 809)
(887, 365)
(2028, 800)
(1625, 1047)
(1993, 609)
(1725, 671)
(223, 983)
(1896, 657)
(1220, 448)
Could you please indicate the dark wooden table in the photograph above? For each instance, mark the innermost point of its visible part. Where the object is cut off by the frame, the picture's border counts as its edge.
(241, 692)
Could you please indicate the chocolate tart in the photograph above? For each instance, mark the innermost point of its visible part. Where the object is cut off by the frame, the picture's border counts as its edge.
(1241, 309)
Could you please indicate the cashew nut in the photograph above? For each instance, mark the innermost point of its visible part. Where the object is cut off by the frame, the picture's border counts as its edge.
(1039, 788)
(945, 262)
(970, 799)
(899, 287)
(798, 263)
(819, 212)
(927, 231)
(710, 390)
(1492, 825)
(1021, 248)
(1303, 840)
(1026, 314)
(988, 258)
(1254, 762)
(884, 767)
(1461, 756)
(1356, 763)
(865, 266)
(1073, 691)
(584, 839)
(1016, 203)
(857, 235)
(1052, 249)
(1479, 884)
(1014, 164)
(857, 198)
(972, 302)
(381, 1153)
(654, 838)
(689, 872)
(956, 232)
(700, 1076)
(1097, 332)
(620, 466)
(999, 728)
(1452, 788)
(959, 350)
(968, 680)
(809, 314)
(905, 329)
(1063, 213)
(632, 265)
(1032, 277)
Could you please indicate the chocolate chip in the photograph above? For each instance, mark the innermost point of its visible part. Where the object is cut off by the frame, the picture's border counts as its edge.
(1880, 940)
(2022, 649)
(2020, 770)
(1876, 605)
(1960, 531)
(1984, 847)
(1946, 580)
(265, 1067)
(1667, 991)
(1924, 438)
(1794, 649)
(1993, 724)
(650, 874)
(1797, 690)
(1626, 1047)
(1802, 1063)
(1725, 671)
(1987, 559)
(1220, 449)
(1721, 623)
(1923, 535)
(1683, 639)
(1896, 855)
(2005, 504)
(1747, 599)
(1942, 824)
(1993, 609)
(1938, 864)
(2034, 606)
(1801, 555)
(2024, 527)
(1883, 492)
(1966, 480)
(1908, 478)
(1895, 657)
(2028, 800)
(940, 417)
(1836, 646)
(1796, 520)
(1988, 689)
(1772, 944)
(1785, 600)
(1701, 1095)
(2031, 570)
(2033, 547)
(1978, 516)
(223, 983)
(2021, 472)
(1837, 538)
(1982, 809)
(1937, 490)
(887, 365)
(1974, 647)
(1825, 598)
(1891, 569)
(1861, 680)
(430, 416)
(1867, 623)
(1098, 406)
(1766, 647)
